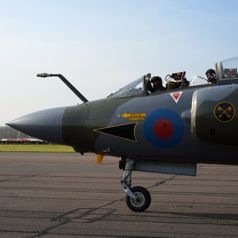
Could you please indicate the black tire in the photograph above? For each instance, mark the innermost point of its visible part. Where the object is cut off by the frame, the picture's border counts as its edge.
(142, 202)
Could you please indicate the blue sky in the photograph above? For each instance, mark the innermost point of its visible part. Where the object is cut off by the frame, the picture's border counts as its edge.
(101, 45)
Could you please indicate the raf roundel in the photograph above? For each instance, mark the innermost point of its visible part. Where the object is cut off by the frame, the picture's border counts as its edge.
(163, 128)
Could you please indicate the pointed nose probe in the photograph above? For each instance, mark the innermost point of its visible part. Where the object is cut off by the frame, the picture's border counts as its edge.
(44, 125)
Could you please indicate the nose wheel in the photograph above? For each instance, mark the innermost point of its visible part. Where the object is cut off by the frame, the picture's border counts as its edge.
(141, 201)
(138, 198)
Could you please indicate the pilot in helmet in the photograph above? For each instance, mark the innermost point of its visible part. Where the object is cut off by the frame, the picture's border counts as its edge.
(156, 84)
(211, 76)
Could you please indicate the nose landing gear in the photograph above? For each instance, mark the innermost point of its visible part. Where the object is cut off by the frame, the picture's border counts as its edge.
(138, 198)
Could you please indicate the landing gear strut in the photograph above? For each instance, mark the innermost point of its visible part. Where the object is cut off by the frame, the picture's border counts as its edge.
(138, 198)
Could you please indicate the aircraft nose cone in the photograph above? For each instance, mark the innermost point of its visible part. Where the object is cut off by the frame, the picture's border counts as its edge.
(45, 125)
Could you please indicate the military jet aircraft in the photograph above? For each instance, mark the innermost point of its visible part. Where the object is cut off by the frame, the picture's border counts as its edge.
(168, 131)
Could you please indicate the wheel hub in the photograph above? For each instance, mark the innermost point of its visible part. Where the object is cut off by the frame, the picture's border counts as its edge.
(139, 201)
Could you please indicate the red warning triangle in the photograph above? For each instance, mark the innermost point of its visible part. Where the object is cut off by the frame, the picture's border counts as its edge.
(176, 96)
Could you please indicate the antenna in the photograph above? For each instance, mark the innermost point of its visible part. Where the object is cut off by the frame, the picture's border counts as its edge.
(68, 84)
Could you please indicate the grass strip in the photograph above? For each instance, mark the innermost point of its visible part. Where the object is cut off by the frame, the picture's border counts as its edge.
(35, 148)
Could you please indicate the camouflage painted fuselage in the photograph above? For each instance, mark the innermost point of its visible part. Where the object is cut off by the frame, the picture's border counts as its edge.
(163, 126)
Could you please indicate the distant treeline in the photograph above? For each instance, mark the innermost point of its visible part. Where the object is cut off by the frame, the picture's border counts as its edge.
(8, 132)
(9, 135)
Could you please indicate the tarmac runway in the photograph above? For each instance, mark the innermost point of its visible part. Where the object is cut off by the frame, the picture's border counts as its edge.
(67, 195)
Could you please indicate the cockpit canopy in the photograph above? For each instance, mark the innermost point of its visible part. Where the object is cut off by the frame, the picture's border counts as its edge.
(226, 70)
(135, 88)
(139, 87)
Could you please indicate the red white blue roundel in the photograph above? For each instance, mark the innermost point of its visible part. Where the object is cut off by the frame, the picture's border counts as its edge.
(163, 128)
